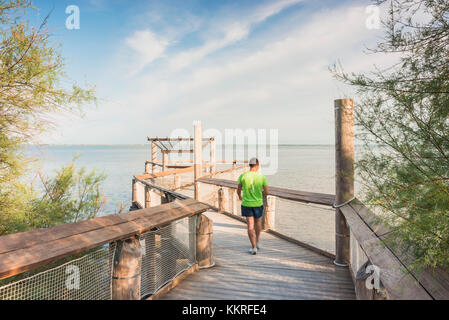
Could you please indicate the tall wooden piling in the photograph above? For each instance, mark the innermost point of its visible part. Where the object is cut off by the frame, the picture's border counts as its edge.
(153, 156)
(268, 219)
(147, 197)
(197, 148)
(126, 274)
(212, 156)
(204, 253)
(222, 200)
(344, 170)
(176, 181)
(134, 191)
(164, 161)
(234, 201)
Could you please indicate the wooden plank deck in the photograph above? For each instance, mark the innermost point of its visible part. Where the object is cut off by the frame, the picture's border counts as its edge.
(281, 270)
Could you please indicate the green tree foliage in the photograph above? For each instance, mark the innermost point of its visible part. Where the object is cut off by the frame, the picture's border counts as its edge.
(31, 91)
(404, 110)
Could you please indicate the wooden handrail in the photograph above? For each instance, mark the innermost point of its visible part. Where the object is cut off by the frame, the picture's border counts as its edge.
(400, 281)
(206, 176)
(163, 173)
(158, 162)
(25, 251)
(169, 172)
(162, 189)
(289, 194)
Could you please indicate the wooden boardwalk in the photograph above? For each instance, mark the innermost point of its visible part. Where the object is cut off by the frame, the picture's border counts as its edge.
(281, 270)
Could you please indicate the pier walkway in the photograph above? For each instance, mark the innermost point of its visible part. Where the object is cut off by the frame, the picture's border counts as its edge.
(281, 270)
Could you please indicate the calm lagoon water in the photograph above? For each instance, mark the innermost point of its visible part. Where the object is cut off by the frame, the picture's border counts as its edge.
(301, 167)
(308, 168)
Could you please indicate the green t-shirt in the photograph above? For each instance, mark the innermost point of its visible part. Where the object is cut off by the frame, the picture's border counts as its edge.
(252, 183)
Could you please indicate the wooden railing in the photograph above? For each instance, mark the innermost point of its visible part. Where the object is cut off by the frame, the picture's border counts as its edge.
(270, 213)
(369, 239)
(367, 244)
(289, 194)
(27, 251)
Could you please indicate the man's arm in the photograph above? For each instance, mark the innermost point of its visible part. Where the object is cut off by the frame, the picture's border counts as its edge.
(265, 191)
(239, 191)
(265, 186)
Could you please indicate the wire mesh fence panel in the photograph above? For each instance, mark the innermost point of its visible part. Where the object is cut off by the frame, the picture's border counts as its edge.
(86, 277)
(167, 252)
(309, 223)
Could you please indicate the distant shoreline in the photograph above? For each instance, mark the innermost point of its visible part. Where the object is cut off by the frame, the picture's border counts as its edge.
(147, 144)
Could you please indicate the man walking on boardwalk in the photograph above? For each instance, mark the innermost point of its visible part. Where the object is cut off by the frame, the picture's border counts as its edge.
(252, 182)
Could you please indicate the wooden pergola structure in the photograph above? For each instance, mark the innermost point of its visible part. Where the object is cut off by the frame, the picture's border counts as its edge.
(169, 145)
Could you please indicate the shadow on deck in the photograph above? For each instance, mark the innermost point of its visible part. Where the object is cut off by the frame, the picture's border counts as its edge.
(281, 270)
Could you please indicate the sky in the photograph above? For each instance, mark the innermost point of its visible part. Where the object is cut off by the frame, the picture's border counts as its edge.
(160, 65)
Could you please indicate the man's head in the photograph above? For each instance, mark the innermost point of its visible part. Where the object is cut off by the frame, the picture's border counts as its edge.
(253, 164)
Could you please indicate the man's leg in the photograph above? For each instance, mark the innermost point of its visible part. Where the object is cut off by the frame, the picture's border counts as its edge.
(251, 231)
(258, 227)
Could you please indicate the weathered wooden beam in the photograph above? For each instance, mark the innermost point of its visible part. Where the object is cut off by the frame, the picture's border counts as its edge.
(204, 242)
(134, 190)
(222, 171)
(28, 250)
(176, 139)
(344, 169)
(147, 197)
(153, 156)
(176, 181)
(126, 274)
(164, 161)
(212, 157)
(269, 214)
(177, 151)
(289, 194)
(222, 199)
(397, 280)
(434, 280)
(164, 173)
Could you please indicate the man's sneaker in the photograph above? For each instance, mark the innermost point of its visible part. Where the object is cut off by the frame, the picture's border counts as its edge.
(253, 250)
(257, 246)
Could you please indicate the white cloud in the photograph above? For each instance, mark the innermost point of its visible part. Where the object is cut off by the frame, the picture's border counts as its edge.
(232, 32)
(146, 47)
(277, 79)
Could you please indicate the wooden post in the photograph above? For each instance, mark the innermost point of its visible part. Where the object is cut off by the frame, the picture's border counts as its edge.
(344, 169)
(126, 274)
(147, 167)
(134, 191)
(164, 161)
(176, 181)
(204, 252)
(153, 156)
(147, 197)
(222, 199)
(197, 147)
(269, 213)
(235, 200)
(212, 156)
(234, 173)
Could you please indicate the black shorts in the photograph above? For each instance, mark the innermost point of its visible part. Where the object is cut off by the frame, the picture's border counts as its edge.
(255, 212)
